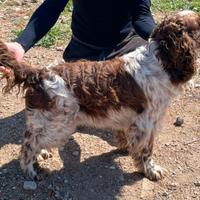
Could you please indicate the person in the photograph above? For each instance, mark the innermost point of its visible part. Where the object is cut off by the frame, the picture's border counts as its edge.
(100, 29)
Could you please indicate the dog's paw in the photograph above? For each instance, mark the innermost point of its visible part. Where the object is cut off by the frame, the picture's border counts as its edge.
(44, 155)
(155, 172)
(28, 170)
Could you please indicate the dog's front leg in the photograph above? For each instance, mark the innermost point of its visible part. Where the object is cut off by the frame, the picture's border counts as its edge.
(152, 171)
(140, 147)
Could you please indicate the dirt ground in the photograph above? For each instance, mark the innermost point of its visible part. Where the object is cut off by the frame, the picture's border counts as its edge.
(89, 167)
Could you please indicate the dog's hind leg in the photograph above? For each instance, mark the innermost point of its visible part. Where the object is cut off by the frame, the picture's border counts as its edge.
(121, 140)
(140, 148)
(45, 130)
(29, 152)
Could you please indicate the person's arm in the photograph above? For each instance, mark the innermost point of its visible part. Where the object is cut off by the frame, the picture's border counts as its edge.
(41, 22)
(143, 21)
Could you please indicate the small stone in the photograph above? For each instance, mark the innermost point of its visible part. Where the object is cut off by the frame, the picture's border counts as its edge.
(172, 186)
(167, 144)
(26, 17)
(180, 168)
(121, 177)
(197, 85)
(75, 153)
(197, 183)
(57, 194)
(5, 171)
(112, 167)
(57, 188)
(179, 121)
(17, 9)
(165, 194)
(174, 173)
(63, 19)
(65, 181)
(30, 185)
(59, 48)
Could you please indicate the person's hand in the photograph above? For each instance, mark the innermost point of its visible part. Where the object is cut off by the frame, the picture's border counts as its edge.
(17, 50)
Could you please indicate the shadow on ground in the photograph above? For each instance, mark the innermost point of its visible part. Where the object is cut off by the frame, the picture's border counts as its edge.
(11, 129)
(93, 178)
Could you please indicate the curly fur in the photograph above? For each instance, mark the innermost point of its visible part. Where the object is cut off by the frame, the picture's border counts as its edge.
(128, 94)
(178, 37)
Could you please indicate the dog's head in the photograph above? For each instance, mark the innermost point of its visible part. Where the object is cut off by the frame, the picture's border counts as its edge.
(178, 38)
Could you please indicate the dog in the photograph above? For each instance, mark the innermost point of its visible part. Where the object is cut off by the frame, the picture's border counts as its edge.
(128, 94)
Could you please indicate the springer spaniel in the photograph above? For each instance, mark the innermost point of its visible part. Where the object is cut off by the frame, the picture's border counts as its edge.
(128, 94)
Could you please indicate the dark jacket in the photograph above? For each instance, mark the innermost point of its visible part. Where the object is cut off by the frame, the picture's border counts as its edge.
(102, 23)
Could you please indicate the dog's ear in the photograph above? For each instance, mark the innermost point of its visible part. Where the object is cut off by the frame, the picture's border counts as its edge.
(176, 49)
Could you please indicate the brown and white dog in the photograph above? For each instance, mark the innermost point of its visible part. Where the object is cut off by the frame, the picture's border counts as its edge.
(128, 94)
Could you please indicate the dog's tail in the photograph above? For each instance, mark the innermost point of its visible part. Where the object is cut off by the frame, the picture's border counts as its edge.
(21, 74)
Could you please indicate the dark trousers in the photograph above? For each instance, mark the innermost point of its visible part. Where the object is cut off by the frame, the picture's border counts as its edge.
(77, 50)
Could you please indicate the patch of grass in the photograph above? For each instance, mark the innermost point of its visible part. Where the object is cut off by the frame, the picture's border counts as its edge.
(61, 32)
(16, 33)
(58, 34)
(169, 5)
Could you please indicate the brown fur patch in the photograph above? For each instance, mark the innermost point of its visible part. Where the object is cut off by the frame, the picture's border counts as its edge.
(101, 86)
(178, 36)
(38, 98)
